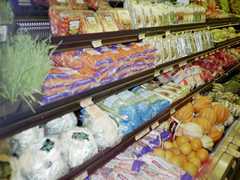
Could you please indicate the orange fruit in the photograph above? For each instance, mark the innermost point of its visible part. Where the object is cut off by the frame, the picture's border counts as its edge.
(186, 148)
(175, 151)
(191, 155)
(159, 152)
(195, 161)
(167, 145)
(181, 139)
(175, 144)
(176, 161)
(182, 158)
(202, 154)
(196, 144)
(190, 168)
(168, 155)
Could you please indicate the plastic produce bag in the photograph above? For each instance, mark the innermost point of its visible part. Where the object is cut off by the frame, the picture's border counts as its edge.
(101, 129)
(169, 96)
(107, 20)
(197, 74)
(6, 146)
(138, 103)
(116, 104)
(190, 77)
(122, 18)
(91, 22)
(10, 168)
(43, 160)
(21, 140)
(56, 126)
(79, 145)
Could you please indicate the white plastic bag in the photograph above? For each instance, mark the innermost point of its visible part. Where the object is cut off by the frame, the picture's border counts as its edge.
(10, 168)
(24, 138)
(43, 160)
(79, 145)
(106, 131)
(56, 126)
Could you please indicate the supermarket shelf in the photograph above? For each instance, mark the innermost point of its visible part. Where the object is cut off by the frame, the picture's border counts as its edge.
(103, 157)
(26, 119)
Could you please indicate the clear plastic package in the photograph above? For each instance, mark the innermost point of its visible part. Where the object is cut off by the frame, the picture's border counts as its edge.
(173, 50)
(107, 20)
(166, 95)
(78, 4)
(122, 18)
(91, 22)
(166, 50)
(158, 43)
(43, 159)
(147, 15)
(78, 144)
(101, 128)
(56, 126)
(197, 74)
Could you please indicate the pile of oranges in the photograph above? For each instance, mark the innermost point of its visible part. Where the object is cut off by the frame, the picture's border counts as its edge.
(186, 154)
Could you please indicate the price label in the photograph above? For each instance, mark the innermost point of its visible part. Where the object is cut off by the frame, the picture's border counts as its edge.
(206, 55)
(167, 69)
(213, 83)
(97, 43)
(156, 73)
(183, 63)
(201, 57)
(232, 152)
(82, 176)
(217, 51)
(156, 124)
(141, 36)
(230, 24)
(3, 33)
(229, 46)
(167, 33)
(235, 141)
(196, 58)
(195, 96)
(141, 134)
(173, 110)
(208, 27)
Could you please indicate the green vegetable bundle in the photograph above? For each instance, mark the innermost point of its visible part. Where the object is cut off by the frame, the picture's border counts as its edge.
(6, 12)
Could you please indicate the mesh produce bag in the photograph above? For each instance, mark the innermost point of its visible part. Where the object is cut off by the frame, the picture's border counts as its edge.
(79, 145)
(43, 160)
(56, 126)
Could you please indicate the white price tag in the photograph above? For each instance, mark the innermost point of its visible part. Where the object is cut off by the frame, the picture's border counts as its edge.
(217, 51)
(82, 176)
(232, 152)
(202, 57)
(172, 111)
(167, 33)
(141, 36)
(230, 24)
(183, 63)
(167, 69)
(156, 73)
(229, 46)
(141, 134)
(3, 33)
(156, 124)
(195, 96)
(206, 55)
(97, 43)
(196, 58)
(208, 27)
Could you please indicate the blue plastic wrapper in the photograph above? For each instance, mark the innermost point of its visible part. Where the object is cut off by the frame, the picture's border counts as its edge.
(48, 99)
(165, 135)
(20, 4)
(186, 176)
(136, 166)
(127, 127)
(144, 150)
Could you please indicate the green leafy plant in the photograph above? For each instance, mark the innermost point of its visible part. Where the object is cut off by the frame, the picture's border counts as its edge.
(6, 12)
(24, 66)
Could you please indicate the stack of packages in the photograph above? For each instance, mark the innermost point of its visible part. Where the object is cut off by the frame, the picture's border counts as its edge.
(79, 70)
(212, 66)
(147, 14)
(176, 46)
(71, 17)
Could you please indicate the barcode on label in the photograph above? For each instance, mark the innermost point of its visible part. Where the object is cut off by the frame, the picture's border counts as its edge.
(82, 176)
(141, 36)
(97, 43)
(167, 69)
(156, 124)
(183, 63)
(3, 33)
(156, 73)
(141, 134)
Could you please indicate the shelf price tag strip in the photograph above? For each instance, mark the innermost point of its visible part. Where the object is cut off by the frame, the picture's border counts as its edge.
(156, 124)
(141, 36)
(142, 133)
(183, 63)
(97, 43)
(230, 151)
(167, 69)
(82, 176)
(156, 73)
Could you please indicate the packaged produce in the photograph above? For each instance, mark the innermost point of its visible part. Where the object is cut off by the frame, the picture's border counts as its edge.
(43, 159)
(147, 15)
(55, 127)
(122, 72)
(101, 128)
(180, 15)
(190, 77)
(158, 43)
(93, 4)
(192, 43)
(174, 90)
(95, 60)
(169, 96)
(166, 50)
(185, 90)
(70, 59)
(150, 85)
(91, 23)
(78, 145)
(154, 15)
(107, 20)
(186, 44)
(209, 36)
(78, 4)
(146, 49)
(10, 168)
(138, 103)
(172, 14)
(163, 78)
(198, 40)
(115, 103)
(137, 16)
(173, 51)
(122, 19)
(138, 66)
(197, 74)
(160, 15)
(181, 52)
(179, 77)
(58, 2)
